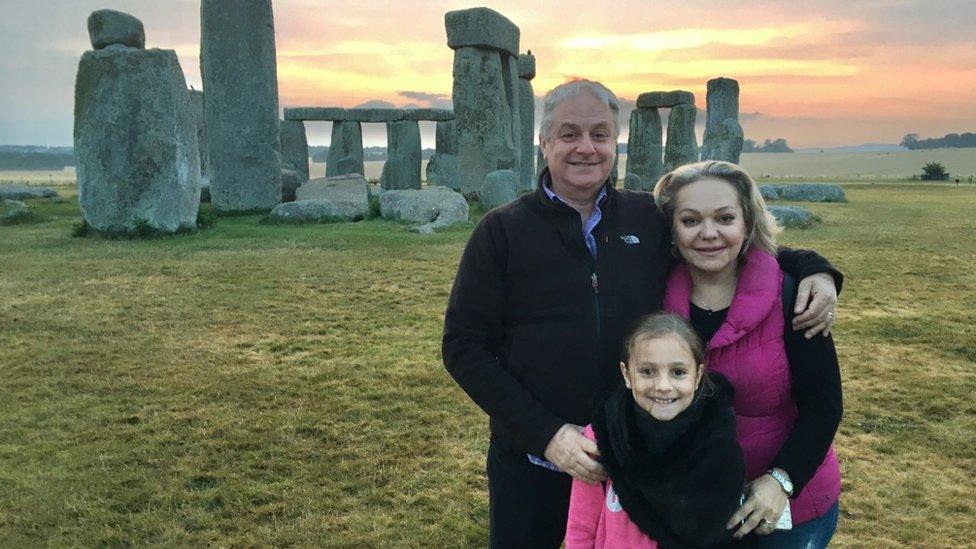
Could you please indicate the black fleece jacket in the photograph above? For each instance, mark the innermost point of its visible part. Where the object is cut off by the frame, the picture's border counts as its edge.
(534, 323)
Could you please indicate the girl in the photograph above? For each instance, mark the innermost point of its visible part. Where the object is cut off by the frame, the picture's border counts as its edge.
(667, 440)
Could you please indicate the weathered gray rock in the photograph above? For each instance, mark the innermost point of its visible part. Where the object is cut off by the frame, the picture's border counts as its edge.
(437, 207)
(615, 169)
(351, 192)
(108, 27)
(443, 170)
(645, 149)
(682, 145)
(540, 161)
(25, 192)
(347, 140)
(196, 103)
(135, 139)
(446, 138)
(500, 188)
(665, 99)
(725, 142)
(793, 217)
(769, 192)
(374, 115)
(403, 156)
(350, 165)
(315, 211)
(632, 182)
(481, 28)
(526, 66)
(722, 103)
(437, 115)
(204, 190)
(237, 59)
(810, 192)
(294, 146)
(484, 116)
(316, 113)
(290, 181)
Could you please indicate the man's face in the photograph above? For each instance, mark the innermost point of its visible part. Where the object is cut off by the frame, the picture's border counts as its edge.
(581, 147)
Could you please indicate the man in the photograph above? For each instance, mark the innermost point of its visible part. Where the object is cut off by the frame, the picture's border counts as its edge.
(544, 291)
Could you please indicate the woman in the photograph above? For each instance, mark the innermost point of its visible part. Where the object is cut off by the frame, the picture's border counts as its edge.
(787, 388)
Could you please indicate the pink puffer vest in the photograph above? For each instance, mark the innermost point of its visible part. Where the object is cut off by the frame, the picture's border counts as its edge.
(749, 350)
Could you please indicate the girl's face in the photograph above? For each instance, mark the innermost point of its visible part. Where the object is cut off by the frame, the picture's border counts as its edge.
(662, 376)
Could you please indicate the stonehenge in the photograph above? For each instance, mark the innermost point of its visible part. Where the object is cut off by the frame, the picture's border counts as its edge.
(723, 134)
(485, 93)
(135, 133)
(645, 144)
(526, 101)
(645, 150)
(682, 145)
(239, 68)
(402, 169)
(294, 146)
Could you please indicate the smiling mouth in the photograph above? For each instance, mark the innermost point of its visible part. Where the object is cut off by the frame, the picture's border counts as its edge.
(710, 251)
(663, 401)
(585, 164)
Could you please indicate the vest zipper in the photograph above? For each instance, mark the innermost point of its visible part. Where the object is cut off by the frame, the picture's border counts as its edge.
(595, 284)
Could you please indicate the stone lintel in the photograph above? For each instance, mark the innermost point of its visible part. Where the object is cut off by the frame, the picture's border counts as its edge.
(665, 99)
(481, 28)
(526, 66)
(315, 113)
(436, 115)
(374, 115)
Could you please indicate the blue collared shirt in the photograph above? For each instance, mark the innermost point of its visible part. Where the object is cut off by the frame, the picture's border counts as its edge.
(591, 222)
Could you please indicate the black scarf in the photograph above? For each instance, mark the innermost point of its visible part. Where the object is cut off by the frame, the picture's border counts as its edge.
(678, 480)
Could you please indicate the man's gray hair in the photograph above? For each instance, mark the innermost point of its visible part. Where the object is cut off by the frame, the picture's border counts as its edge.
(573, 88)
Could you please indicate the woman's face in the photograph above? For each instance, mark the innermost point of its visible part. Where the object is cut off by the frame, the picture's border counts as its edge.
(709, 225)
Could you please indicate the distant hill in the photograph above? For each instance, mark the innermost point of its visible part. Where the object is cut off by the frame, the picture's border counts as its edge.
(21, 157)
(863, 148)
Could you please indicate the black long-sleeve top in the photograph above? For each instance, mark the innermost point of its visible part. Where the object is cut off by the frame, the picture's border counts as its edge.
(816, 390)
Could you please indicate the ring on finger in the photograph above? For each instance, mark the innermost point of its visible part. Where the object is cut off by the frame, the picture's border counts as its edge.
(765, 524)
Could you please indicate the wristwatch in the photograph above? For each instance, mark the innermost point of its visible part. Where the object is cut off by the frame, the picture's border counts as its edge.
(783, 480)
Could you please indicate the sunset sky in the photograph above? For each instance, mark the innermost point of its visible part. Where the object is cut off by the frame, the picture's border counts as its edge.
(819, 73)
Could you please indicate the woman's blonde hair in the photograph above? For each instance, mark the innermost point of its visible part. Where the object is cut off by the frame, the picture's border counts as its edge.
(761, 226)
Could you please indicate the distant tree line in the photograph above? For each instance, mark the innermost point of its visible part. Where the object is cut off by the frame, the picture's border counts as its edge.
(770, 146)
(950, 140)
(35, 158)
(320, 153)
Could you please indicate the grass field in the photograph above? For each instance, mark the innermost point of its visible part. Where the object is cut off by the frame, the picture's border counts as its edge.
(254, 385)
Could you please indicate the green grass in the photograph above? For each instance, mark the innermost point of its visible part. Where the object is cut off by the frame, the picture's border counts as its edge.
(254, 384)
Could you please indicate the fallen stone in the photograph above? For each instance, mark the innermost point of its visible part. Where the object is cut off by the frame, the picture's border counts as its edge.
(481, 28)
(333, 114)
(290, 181)
(347, 141)
(808, 192)
(351, 192)
(645, 150)
(484, 116)
(108, 27)
(25, 192)
(304, 211)
(349, 165)
(793, 217)
(500, 188)
(135, 141)
(404, 156)
(665, 99)
(437, 206)
(769, 192)
(14, 212)
(725, 142)
(722, 104)
(237, 50)
(374, 115)
(682, 145)
(294, 146)
(437, 115)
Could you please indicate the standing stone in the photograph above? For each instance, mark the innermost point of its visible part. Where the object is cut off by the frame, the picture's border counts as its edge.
(196, 102)
(526, 66)
(645, 148)
(499, 188)
(443, 168)
(632, 182)
(682, 146)
(485, 94)
(294, 145)
(722, 103)
(540, 161)
(135, 139)
(237, 55)
(350, 165)
(109, 27)
(347, 140)
(726, 142)
(403, 156)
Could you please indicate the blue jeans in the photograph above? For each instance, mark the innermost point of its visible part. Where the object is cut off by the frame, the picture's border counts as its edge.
(813, 534)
